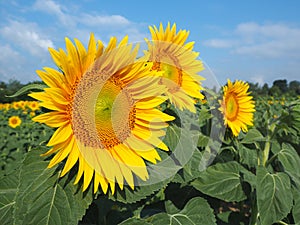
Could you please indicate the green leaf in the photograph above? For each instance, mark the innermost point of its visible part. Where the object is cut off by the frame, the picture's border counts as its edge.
(222, 181)
(43, 198)
(8, 189)
(191, 170)
(196, 211)
(247, 156)
(274, 196)
(253, 135)
(290, 161)
(28, 88)
(296, 207)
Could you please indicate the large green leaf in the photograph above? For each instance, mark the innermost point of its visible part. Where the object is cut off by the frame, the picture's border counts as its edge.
(222, 181)
(196, 211)
(44, 199)
(290, 160)
(274, 196)
(8, 189)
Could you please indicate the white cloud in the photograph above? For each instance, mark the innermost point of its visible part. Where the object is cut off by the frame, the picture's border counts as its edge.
(219, 43)
(27, 36)
(266, 40)
(7, 53)
(103, 20)
(258, 79)
(9, 59)
(55, 9)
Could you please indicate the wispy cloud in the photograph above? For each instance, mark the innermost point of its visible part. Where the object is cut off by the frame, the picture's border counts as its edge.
(14, 65)
(258, 79)
(219, 43)
(103, 20)
(27, 36)
(261, 40)
(52, 8)
(79, 24)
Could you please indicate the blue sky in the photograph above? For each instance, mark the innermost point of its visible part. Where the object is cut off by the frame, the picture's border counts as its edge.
(256, 41)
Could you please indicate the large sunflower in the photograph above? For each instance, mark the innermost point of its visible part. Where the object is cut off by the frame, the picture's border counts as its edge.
(237, 106)
(179, 64)
(106, 118)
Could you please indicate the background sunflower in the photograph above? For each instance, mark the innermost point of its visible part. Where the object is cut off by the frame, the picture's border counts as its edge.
(178, 63)
(237, 106)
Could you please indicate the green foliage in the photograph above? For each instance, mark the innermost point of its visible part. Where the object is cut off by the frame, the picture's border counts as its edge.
(8, 189)
(43, 198)
(274, 196)
(196, 211)
(222, 181)
(15, 142)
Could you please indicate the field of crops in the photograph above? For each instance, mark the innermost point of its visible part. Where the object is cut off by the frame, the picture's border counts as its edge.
(252, 179)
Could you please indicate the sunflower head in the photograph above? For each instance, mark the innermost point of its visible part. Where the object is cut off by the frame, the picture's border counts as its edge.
(178, 63)
(14, 121)
(104, 106)
(237, 106)
(33, 105)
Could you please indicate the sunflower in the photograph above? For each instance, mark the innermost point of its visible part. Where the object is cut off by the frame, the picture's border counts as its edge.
(107, 119)
(237, 106)
(179, 64)
(16, 105)
(33, 105)
(14, 121)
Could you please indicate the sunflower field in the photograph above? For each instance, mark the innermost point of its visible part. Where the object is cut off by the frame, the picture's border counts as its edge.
(120, 136)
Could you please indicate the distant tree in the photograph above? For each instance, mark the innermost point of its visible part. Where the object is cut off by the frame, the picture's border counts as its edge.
(254, 89)
(265, 89)
(281, 84)
(294, 87)
(275, 91)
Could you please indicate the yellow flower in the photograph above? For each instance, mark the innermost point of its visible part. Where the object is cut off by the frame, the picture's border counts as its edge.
(22, 104)
(179, 64)
(14, 121)
(106, 118)
(237, 106)
(33, 105)
(16, 105)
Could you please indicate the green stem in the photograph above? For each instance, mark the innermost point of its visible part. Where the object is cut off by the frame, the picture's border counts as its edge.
(266, 150)
(271, 159)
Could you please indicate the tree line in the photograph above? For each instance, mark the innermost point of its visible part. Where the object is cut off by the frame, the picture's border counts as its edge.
(278, 88)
